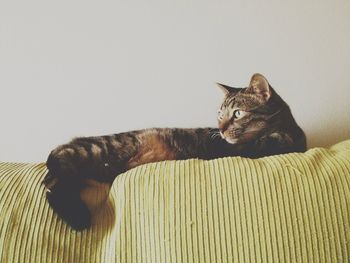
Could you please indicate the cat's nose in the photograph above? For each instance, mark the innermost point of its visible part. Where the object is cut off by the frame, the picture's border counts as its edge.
(223, 126)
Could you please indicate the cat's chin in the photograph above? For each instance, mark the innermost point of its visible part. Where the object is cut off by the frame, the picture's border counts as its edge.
(231, 141)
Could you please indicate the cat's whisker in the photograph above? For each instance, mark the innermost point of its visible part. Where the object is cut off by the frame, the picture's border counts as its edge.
(213, 131)
(215, 135)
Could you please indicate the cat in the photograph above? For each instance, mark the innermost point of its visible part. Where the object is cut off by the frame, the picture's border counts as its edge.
(252, 122)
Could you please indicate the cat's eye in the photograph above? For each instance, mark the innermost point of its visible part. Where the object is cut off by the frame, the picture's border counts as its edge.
(237, 114)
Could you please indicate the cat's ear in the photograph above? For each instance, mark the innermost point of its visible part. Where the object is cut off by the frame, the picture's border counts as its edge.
(260, 87)
(227, 89)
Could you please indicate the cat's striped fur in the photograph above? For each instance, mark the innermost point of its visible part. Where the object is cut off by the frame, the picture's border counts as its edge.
(264, 126)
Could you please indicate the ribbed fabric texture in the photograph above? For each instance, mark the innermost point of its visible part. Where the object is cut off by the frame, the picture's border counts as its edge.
(287, 208)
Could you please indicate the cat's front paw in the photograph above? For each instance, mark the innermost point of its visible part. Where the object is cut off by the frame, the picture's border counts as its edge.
(62, 167)
(71, 191)
(63, 184)
(65, 200)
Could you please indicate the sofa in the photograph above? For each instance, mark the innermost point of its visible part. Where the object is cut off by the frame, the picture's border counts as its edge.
(284, 208)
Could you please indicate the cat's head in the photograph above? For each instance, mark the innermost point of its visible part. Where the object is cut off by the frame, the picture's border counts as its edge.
(246, 112)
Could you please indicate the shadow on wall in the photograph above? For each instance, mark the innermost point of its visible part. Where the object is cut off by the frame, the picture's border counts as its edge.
(327, 135)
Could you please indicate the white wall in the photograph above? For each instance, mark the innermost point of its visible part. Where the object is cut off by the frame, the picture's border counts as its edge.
(72, 68)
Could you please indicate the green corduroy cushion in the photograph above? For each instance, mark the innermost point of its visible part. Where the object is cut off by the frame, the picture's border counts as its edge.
(286, 208)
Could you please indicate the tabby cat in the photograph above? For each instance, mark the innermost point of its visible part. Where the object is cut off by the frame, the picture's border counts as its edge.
(253, 122)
